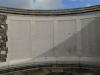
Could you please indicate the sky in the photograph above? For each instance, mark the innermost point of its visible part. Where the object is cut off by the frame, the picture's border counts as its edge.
(48, 4)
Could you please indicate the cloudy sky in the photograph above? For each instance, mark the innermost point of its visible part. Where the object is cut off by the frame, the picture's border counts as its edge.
(48, 4)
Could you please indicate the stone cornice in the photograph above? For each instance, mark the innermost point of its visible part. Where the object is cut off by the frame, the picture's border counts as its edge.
(50, 12)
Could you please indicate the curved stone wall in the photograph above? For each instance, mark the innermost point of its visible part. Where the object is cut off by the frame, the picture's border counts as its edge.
(59, 39)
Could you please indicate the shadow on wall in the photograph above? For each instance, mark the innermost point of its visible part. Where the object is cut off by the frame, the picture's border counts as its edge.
(90, 42)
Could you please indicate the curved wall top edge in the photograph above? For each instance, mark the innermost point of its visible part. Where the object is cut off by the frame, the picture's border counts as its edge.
(50, 12)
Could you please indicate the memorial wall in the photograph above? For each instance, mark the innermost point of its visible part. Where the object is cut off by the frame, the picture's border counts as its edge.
(49, 39)
(53, 38)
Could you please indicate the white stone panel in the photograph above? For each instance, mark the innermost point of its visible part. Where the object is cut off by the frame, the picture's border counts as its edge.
(19, 34)
(63, 29)
(42, 37)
